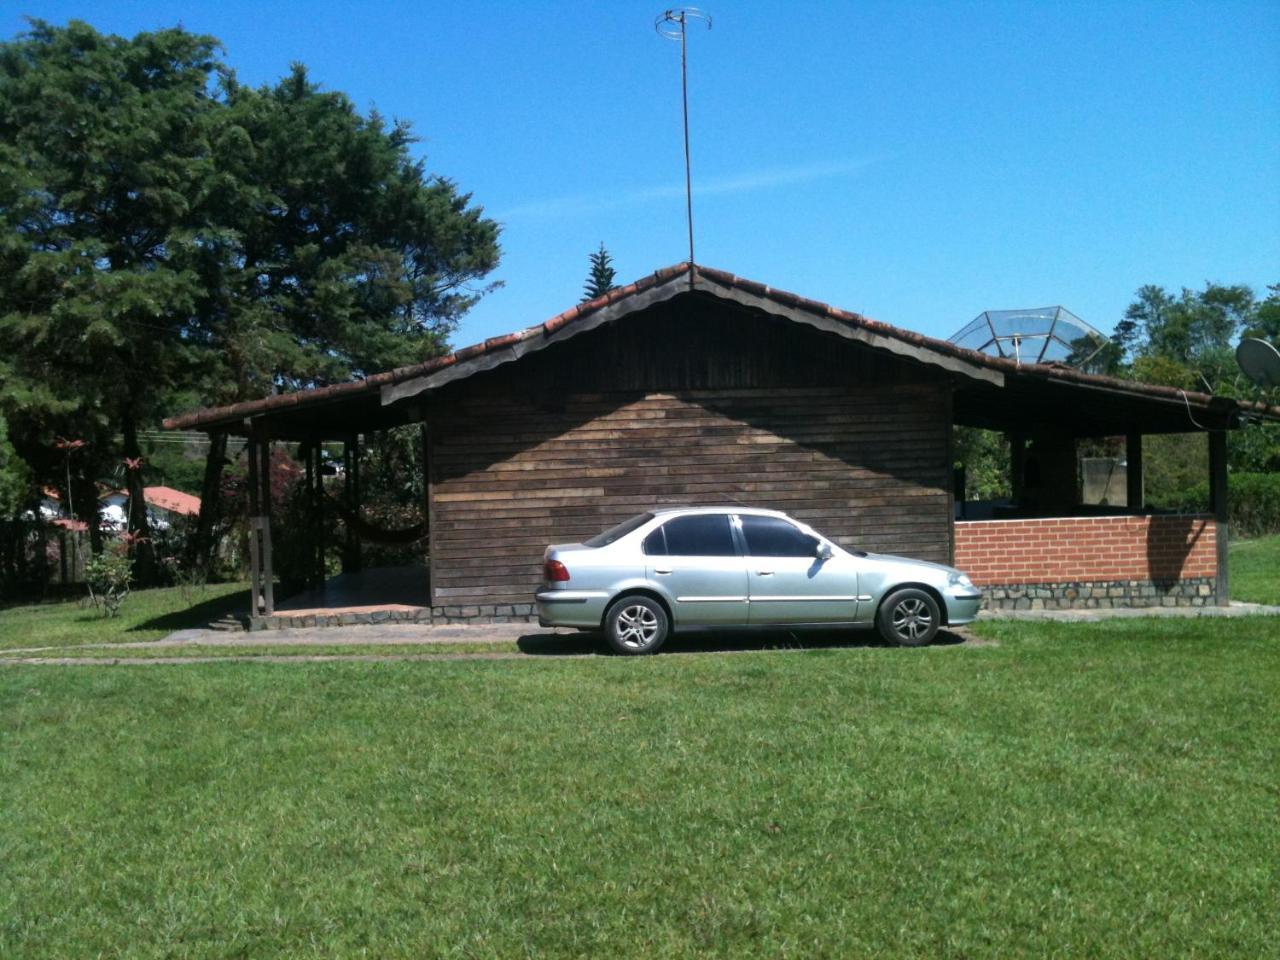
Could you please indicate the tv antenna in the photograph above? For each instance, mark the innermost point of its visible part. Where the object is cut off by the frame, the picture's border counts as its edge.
(673, 24)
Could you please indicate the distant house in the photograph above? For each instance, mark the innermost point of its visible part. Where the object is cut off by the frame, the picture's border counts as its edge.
(164, 505)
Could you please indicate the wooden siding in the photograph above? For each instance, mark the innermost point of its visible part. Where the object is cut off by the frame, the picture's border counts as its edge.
(682, 407)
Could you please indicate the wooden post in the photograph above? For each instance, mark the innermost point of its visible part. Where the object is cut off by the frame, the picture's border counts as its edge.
(318, 507)
(268, 573)
(1017, 467)
(255, 560)
(426, 510)
(358, 558)
(1218, 504)
(1135, 494)
(348, 500)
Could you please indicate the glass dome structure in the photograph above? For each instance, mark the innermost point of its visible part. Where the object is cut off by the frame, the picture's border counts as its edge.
(1040, 335)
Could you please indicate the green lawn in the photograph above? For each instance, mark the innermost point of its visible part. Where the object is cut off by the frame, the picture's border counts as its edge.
(1068, 790)
(145, 615)
(1255, 570)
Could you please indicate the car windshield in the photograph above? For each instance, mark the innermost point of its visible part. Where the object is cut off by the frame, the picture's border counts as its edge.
(620, 531)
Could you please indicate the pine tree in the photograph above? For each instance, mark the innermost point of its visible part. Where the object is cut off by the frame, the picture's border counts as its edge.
(600, 279)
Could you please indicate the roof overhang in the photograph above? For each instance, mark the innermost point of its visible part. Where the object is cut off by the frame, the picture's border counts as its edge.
(384, 399)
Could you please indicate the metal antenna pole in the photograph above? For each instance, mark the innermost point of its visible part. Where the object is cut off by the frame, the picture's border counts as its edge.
(662, 25)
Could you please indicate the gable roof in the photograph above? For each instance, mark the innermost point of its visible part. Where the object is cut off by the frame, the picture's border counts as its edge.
(390, 387)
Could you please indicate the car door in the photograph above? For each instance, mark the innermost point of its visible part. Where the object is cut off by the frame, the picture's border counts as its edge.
(696, 559)
(787, 582)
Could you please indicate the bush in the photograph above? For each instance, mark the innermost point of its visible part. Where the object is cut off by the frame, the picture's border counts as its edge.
(107, 576)
(1253, 502)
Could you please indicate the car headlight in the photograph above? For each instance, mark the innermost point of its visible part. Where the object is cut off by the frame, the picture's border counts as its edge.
(959, 579)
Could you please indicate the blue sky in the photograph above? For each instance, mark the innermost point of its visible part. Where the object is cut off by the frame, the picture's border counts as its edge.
(917, 162)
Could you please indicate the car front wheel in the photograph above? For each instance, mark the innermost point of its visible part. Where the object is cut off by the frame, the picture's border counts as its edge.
(909, 617)
(635, 625)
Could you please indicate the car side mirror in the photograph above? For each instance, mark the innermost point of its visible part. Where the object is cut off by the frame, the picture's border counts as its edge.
(823, 550)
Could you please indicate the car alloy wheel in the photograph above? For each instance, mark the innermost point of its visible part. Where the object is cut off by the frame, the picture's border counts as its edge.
(635, 625)
(909, 618)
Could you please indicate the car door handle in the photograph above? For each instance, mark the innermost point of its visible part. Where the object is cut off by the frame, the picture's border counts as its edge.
(764, 573)
(660, 572)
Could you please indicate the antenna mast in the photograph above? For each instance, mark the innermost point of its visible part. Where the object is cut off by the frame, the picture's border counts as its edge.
(673, 25)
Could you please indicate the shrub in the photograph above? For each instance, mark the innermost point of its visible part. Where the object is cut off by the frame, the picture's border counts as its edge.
(1253, 502)
(107, 576)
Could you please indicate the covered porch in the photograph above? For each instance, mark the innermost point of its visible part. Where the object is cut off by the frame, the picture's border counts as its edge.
(1060, 539)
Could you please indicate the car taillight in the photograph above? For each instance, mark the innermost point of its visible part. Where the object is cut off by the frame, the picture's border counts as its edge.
(555, 571)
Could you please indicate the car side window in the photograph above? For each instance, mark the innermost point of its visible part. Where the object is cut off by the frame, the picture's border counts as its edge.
(774, 537)
(655, 544)
(699, 535)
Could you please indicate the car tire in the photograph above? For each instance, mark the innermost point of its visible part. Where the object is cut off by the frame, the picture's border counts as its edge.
(909, 617)
(636, 625)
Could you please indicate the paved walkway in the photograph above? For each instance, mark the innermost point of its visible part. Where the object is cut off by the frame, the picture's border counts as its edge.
(408, 641)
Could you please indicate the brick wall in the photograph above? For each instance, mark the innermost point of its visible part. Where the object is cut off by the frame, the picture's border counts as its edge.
(1073, 561)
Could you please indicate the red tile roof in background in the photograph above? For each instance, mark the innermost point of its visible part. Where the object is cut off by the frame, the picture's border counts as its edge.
(175, 501)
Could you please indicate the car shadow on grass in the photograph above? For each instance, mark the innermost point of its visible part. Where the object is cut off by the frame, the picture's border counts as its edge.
(578, 644)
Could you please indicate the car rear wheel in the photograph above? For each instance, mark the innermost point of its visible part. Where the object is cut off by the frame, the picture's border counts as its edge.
(909, 617)
(635, 625)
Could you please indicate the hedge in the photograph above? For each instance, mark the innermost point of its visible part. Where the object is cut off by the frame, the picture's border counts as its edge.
(1253, 502)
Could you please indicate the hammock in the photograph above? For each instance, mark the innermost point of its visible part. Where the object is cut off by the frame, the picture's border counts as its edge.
(367, 531)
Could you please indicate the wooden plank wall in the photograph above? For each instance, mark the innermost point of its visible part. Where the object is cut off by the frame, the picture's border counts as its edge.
(693, 404)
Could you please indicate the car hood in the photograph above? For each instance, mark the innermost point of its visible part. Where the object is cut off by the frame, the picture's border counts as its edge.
(939, 568)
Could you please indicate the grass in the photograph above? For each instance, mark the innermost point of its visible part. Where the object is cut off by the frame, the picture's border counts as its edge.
(1073, 789)
(117, 652)
(1255, 570)
(145, 615)
(152, 614)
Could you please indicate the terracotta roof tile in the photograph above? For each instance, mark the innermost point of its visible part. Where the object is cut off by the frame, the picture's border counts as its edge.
(239, 411)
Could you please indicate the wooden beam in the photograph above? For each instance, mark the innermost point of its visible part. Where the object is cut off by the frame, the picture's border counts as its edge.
(1218, 505)
(1135, 494)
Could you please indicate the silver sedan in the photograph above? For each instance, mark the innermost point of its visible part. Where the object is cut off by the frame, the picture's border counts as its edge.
(733, 567)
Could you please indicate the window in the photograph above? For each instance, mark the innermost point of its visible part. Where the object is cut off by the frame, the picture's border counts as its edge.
(774, 537)
(618, 532)
(655, 544)
(700, 535)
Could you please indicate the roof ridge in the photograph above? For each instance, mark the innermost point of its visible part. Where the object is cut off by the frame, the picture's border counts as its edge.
(237, 411)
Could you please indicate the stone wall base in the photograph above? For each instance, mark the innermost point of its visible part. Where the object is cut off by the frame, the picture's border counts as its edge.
(1101, 594)
(481, 613)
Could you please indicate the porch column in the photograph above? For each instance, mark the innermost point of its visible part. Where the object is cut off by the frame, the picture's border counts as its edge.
(1135, 495)
(1218, 504)
(351, 561)
(261, 588)
(1017, 467)
(426, 510)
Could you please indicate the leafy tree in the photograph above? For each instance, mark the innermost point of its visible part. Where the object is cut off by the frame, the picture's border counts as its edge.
(600, 278)
(1186, 341)
(16, 487)
(170, 237)
(1265, 322)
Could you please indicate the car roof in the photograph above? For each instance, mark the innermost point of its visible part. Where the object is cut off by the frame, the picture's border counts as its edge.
(725, 508)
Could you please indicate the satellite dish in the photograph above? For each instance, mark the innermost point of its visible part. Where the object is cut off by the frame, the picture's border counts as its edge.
(1260, 362)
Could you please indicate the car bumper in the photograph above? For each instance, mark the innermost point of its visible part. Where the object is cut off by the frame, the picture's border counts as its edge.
(570, 608)
(963, 604)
